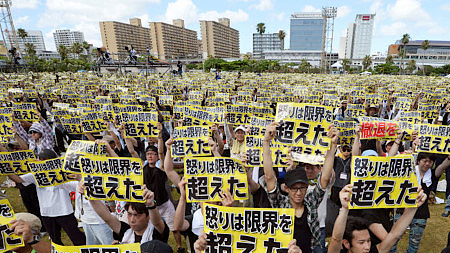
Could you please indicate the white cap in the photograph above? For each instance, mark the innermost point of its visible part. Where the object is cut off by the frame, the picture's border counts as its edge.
(241, 127)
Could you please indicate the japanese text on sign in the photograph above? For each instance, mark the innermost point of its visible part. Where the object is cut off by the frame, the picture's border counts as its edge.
(140, 124)
(79, 148)
(15, 162)
(8, 240)
(49, 172)
(191, 141)
(434, 139)
(117, 248)
(376, 128)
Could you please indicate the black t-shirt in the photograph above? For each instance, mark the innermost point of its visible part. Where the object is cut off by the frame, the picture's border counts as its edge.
(343, 173)
(164, 237)
(302, 232)
(155, 180)
(380, 216)
(188, 232)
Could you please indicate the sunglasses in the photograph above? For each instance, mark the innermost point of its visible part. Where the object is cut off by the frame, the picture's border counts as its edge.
(346, 149)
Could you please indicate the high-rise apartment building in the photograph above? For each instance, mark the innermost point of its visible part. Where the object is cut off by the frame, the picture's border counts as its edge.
(67, 38)
(116, 36)
(358, 39)
(171, 42)
(33, 37)
(306, 31)
(264, 42)
(219, 39)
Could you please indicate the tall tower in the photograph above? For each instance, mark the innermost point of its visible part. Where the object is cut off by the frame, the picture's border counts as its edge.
(328, 15)
(7, 24)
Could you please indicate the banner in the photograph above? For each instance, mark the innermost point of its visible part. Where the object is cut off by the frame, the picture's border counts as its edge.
(25, 111)
(77, 149)
(140, 124)
(196, 117)
(8, 240)
(305, 127)
(347, 132)
(206, 177)
(235, 229)
(428, 111)
(434, 139)
(383, 182)
(166, 100)
(112, 178)
(413, 117)
(15, 162)
(355, 110)
(93, 122)
(403, 104)
(191, 141)
(377, 128)
(117, 248)
(72, 125)
(49, 172)
(5, 128)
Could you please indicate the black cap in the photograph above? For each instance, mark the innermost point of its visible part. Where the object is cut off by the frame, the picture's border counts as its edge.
(155, 246)
(47, 154)
(297, 175)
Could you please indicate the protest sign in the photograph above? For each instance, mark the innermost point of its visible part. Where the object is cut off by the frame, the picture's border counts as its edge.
(434, 139)
(49, 172)
(355, 110)
(239, 114)
(383, 182)
(78, 148)
(92, 122)
(428, 111)
(206, 177)
(191, 141)
(5, 128)
(413, 117)
(112, 178)
(403, 104)
(305, 127)
(15, 162)
(72, 124)
(331, 100)
(195, 117)
(116, 248)
(140, 124)
(347, 132)
(235, 229)
(25, 111)
(166, 100)
(377, 128)
(8, 240)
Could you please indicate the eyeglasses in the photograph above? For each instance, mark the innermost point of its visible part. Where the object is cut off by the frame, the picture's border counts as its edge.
(296, 189)
(34, 132)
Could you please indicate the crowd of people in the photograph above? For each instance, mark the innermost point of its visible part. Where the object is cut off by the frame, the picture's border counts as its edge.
(319, 193)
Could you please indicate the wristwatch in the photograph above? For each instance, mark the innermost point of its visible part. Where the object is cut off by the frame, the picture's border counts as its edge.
(36, 239)
(152, 207)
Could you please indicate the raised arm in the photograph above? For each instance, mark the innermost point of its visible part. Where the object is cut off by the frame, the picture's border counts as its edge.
(89, 136)
(441, 168)
(341, 221)
(168, 164)
(214, 147)
(394, 149)
(180, 223)
(47, 136)
(109, 150)
(103, 211)
(356, 147)
(327, 169)
(160, 146)
(217, 138)
(155, 217)
(269, 174)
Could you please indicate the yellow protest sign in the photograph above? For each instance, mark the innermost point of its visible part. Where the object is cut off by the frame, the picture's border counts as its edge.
(78, 148)
(428, 111)
(355, 110)
(92, 122)
(383, 182)
(166, 100)
(331, 100)
(140, 124)
(49, 172)
(25, 111)
(377, 128)
(304, 126)
(112, 178)
(15, 162)
(5, 128)
(236, 229)
(206, 177)
(402, 104)
(413, 117)
(191, 141)
(116, 248)
(346, 131)
(239, 114)
(434, 139)
(72, 125)
(8, 239)
(195, 117)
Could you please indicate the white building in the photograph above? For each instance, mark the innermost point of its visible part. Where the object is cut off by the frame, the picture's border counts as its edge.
(296, 56)
(48, 55)
(34, 37)
(264, 42)
(67, 37)
(358, 40)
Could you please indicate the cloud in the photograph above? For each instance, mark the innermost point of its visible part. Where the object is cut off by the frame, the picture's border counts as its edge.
(407, 10)
(21, 21)
(310, 8)
(395, 29)
(263, 5)
(343, 11)
(445, 7)
(234, 16)
(183, 9)
(280, 16)
(25, 4)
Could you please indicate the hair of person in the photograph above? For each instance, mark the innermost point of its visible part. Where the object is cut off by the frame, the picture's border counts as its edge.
(140, 208)
(47, 154)
(354, 223)
(151, 148)
(423, 155)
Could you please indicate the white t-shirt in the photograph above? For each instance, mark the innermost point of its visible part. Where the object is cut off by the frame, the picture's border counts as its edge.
(53, 201)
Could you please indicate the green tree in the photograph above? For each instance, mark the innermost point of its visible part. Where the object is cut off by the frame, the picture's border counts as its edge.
(405, 40)
(22, 33)
(402, 55)
(30, 50)
(387, 68)
(261, 28)
(346, 64)
(425, 45)
(281, 36)
(86, 48)
(304, 66)
(367, 61)
(76, 49)
(411, 66)
(390, 59)
(63, 51)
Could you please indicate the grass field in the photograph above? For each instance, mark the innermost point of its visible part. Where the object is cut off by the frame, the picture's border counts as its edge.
(433, 241)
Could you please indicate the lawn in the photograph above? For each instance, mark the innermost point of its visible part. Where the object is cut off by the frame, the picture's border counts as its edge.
(434, 239)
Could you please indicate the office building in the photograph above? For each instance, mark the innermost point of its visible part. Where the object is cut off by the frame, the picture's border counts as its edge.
(33, 37)
(67, 38)
(172, 42)
(437, 54)
(264, 42)
(358, 40)
(219, 40)
(116, 36)
(297, 56)
(306, 31)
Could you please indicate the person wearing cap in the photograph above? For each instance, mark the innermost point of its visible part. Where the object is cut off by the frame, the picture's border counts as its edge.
(29, 226)
(55, 206)
(373, 110)
(155, 246)
(236, 140)
(339, 113)
(39, 136)
(306, 203)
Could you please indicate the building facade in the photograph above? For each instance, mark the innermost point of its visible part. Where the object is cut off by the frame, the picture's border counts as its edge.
(67, 37)
(264, 42)
(33, 37)
(306, 31)
(116, 36)
(358, 40)
(219, 40)
(297, 56)
(172, 42)
(437, 54)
